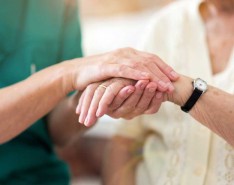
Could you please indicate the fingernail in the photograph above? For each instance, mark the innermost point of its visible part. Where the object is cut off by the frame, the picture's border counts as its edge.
(129, 91)
(159, 95)
(86, 123)
(162, 84)
(81, 119)
(174, 74)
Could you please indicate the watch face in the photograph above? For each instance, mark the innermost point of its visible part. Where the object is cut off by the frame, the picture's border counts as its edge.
(200, 84)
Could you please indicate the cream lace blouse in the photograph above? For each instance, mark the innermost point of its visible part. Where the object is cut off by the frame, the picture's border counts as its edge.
(177, 149)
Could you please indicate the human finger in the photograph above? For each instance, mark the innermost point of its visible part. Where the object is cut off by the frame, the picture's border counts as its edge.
(163, 82)
(155, 103)
(129, 105)
(165, 68)
(112, 64)
(89, 92)
(78, 108)
(145, 100)
(109, 96)
(91, 115)
(125, 71)
(156, 75)
(121, 97)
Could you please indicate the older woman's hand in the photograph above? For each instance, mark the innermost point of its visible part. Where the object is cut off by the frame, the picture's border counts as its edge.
(90, 99)
(98, 97)
(141, 101)
(120, 98)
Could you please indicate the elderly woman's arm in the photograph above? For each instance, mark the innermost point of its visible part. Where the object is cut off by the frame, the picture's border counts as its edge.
(214, 109)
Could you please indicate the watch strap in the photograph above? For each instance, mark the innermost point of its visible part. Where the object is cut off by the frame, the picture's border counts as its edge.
(192, 100)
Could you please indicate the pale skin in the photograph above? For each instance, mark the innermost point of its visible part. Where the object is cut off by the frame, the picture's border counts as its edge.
(218, 16)
(207, 111)
(25, 102)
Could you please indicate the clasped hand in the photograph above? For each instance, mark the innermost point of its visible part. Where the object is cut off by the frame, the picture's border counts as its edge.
(127, 98)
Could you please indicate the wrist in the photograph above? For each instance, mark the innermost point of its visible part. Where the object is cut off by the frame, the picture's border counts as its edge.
(183, 90)
(60, 74)
(68, 76)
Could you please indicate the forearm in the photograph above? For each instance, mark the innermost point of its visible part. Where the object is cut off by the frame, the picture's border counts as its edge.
(63, 122)
(27, 101)
(214, 109)
(120, 162)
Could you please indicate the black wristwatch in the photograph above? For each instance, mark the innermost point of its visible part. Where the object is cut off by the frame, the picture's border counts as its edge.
(199, 87)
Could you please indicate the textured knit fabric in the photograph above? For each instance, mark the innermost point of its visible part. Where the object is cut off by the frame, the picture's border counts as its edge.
(177, 150)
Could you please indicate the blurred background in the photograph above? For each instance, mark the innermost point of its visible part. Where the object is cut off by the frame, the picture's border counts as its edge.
(106, 25)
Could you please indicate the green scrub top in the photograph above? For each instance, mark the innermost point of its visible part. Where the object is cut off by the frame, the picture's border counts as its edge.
(34, 34)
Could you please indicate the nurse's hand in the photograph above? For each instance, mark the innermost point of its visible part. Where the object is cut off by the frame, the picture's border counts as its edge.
(126, 63)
